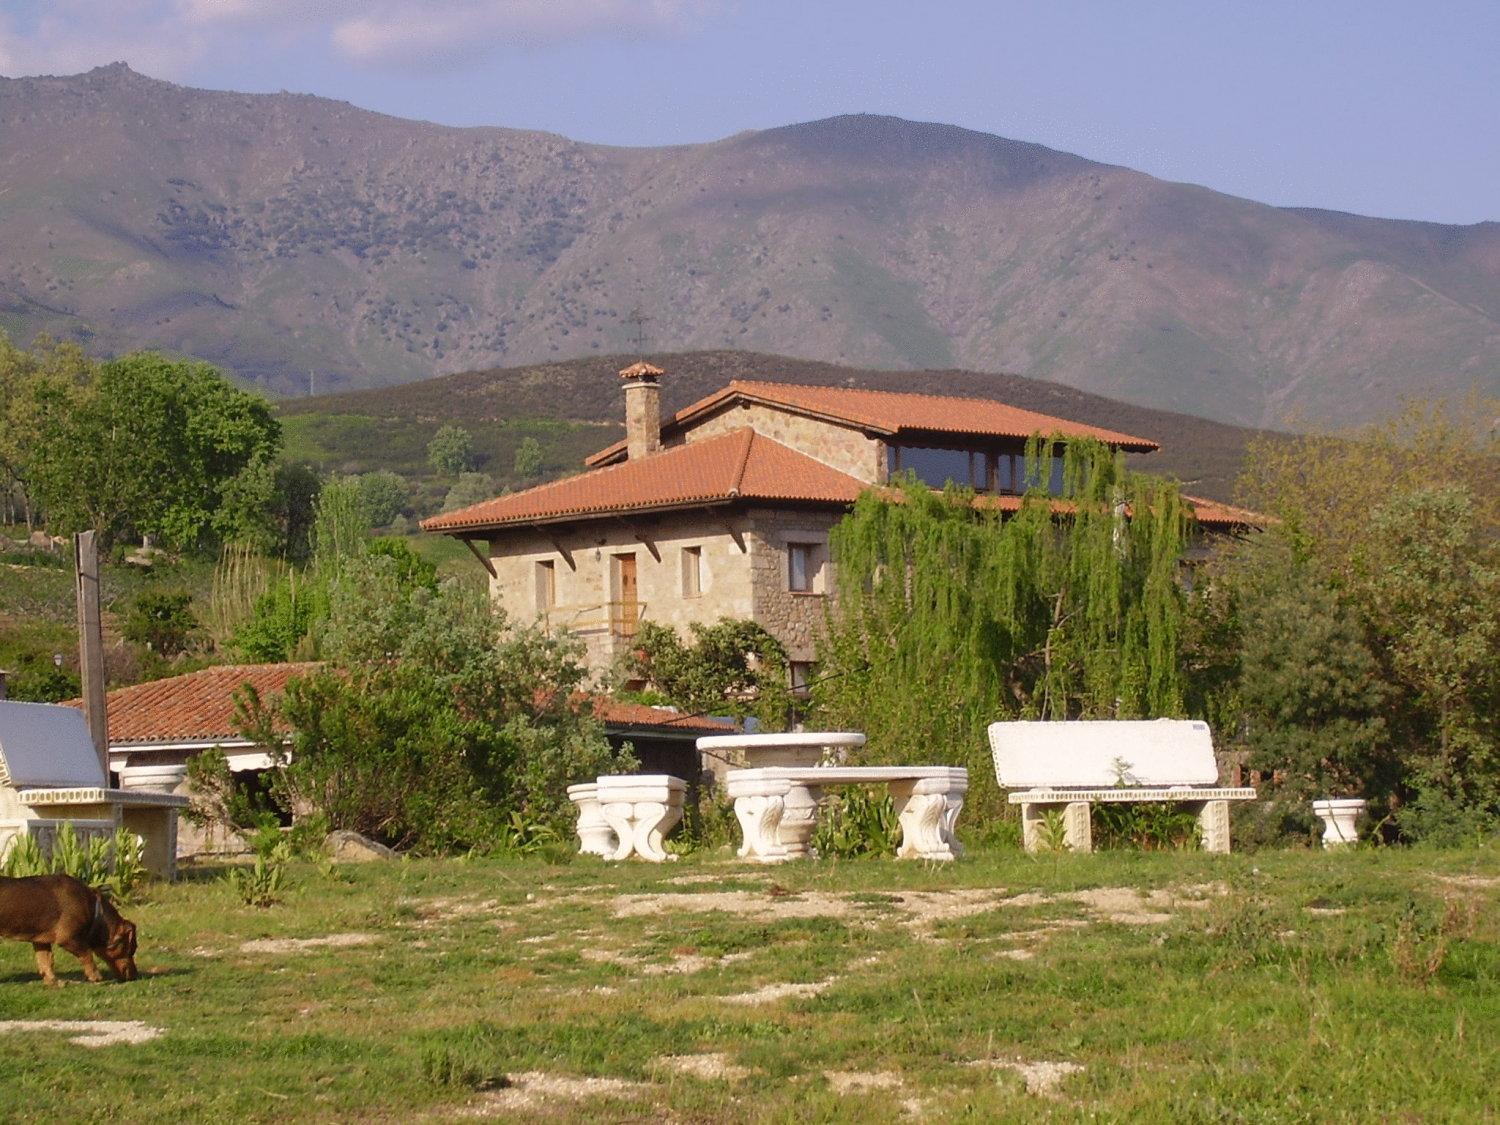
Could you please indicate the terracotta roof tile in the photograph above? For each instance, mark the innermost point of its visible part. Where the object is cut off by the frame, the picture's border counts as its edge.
(741, 465)
(198, 707)
(894, 413)
(195, 707)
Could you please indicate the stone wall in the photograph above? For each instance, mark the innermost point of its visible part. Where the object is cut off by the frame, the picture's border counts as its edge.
(839, 447)
(793, 618)
(586, 588)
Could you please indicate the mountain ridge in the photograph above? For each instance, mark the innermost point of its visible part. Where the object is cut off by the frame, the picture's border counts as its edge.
(281, 233)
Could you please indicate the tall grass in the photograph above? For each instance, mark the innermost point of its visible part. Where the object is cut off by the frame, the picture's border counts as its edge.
(241, 577)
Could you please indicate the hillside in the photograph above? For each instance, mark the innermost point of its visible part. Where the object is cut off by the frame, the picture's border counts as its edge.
(574, 407)
(304, 242)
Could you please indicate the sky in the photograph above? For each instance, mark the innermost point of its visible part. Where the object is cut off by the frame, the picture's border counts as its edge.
(1376, 107)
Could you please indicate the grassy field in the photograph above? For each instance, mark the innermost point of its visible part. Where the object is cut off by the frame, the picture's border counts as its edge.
(1127, 986)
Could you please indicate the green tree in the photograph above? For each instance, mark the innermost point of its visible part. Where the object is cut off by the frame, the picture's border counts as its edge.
(528, 462)
(384, 494)
(294, 507)
(28, 381)
(733, 667)
(951, 614)
(161, 620)
(433, 723)
(158, 446)
(472, 488)
(451, 450)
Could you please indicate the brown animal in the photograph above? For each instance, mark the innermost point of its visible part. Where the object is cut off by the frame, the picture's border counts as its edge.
(49, 910)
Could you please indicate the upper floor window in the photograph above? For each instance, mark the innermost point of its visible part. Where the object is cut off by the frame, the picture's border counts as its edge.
(804, 568)
(983, 471)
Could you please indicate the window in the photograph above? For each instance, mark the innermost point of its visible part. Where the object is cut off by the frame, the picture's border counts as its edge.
(546, 586)
(692, 571)
(804, 672)
(1010, 474)
(938, 466)
(804, 568)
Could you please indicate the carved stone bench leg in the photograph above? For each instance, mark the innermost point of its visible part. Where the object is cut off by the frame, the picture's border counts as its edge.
(799, 820)
(595, 837)
(760, 818)
(641, 810)
(1078, 829)
(1079, 826)
(1213, 825)
(928, 813)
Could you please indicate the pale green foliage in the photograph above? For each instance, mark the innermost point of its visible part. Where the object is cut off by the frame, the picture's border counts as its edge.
(472, 488)
(451, 450)
(528, 461)
(260, 884)
(949, 617)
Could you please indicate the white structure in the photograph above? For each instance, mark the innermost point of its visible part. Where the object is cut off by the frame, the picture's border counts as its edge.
(640, 809)
(790, 748)
(1069, 765)
(777, 807)
(50, 774)
(1339, 817)
(595, 837)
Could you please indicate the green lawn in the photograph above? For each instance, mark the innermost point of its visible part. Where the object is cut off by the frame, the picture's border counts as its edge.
(1178, 986)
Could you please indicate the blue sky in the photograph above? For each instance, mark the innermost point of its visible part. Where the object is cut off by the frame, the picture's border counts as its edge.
(1381, 108)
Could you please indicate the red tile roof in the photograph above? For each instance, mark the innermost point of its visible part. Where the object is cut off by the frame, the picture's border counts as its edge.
(741, 465)
(195, 707)
(198, 707)
(891, 413)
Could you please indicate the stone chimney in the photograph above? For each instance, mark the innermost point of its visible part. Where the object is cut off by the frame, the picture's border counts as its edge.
(642, 409)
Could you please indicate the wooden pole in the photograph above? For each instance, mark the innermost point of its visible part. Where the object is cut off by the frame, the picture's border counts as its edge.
(91, 643)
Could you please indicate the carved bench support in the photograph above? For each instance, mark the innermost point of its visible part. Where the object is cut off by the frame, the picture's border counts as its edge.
(641, 809)
(595, 837)
(928, 811)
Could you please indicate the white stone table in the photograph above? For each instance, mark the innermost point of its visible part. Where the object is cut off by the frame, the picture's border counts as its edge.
(641, 809)
(777, 807)
(786, 748)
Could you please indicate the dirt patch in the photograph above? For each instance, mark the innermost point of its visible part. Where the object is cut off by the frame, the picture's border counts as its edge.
(1041, 1078)
(712, 1067)
(1127, 905)
(534, 1090)
(89, 1033)
(921, 909)
(861, 1081)
(770, 993)
(301, 945)
(1481, 881)
(681, 963)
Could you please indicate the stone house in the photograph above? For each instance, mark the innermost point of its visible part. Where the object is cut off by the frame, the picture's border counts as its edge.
(723, 510)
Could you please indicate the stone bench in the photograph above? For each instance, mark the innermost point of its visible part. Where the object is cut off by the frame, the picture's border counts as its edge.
(777, 807)
(621, 815)
(1068, 766)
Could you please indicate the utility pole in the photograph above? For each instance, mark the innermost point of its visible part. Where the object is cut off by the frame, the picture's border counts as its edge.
(91, 643)
(638, 320)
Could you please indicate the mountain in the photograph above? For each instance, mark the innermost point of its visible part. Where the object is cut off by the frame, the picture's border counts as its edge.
(304, 243)
(574, 407)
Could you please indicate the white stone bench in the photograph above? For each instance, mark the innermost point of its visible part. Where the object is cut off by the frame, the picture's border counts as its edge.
(777, 807)
(1068, 766)
(640, 809)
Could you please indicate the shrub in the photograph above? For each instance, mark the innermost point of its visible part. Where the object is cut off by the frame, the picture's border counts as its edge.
(163, 622)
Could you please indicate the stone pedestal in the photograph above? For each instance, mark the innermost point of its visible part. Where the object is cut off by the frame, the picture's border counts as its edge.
(1339, 817)
(595, 837)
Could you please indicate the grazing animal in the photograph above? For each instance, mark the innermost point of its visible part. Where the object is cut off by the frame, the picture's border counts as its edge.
(49, 910)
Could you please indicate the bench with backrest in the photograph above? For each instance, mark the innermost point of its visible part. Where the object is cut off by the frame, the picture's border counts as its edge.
(777, 806)
(1068, 766)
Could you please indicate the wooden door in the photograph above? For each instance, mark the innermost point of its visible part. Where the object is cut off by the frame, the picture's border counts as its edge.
(627, 605)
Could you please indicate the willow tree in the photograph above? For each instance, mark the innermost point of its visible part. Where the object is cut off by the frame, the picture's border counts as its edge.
(954, 609)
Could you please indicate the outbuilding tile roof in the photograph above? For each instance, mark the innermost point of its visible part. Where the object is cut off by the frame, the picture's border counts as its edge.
(194, 707)
(892, 413)
(740, 465)
(198, 707)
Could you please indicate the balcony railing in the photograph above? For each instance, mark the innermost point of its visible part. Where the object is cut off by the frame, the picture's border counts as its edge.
(619, 619)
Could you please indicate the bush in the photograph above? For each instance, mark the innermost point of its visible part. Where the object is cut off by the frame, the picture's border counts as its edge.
(162, 621)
